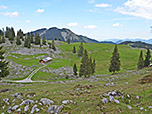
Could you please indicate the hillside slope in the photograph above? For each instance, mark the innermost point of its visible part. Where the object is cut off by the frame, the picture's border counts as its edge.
(64, 34)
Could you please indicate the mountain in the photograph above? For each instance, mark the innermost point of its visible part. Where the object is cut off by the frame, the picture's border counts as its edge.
(107, 42)
(118, 41)
(64, 34)
(137, 44)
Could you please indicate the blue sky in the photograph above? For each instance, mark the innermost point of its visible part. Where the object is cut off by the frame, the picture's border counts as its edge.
(97, 19)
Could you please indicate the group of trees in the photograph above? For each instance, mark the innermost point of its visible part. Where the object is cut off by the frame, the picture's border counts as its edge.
(87, 66)
(144, 63)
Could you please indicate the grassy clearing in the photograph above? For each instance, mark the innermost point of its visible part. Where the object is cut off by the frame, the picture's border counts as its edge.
(89, 102)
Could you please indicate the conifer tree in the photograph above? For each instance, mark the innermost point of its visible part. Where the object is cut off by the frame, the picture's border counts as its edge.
(59, 39)
(80, 51)
(3, 64)
(11, 34)
(75, 69)
(55, 38)
(84, 65)
(140, 64)
(32, 37)
(68, 40)
(7, 32)
(37, 39)
(93, 66)
(50, 45)
(53, 45)
(43, 41)
(115, 62)
(18, 41)
(3, 39)
(26, 42)
(147, 59)
(74, 49)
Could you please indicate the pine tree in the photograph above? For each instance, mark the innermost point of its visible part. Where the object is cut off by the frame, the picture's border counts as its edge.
(32, 37)
(26, 42)
(18, 41)
(93, 66)
(84, 65)
(80, 51)
(75, 69)
(3, 64)
(55, 38)
(74, 50)
(68, 40)
(43, 41)
(140, 64)
(59, 39)
(37, 39)
(50, 45)
(53, 45)
(7, 32)
(11, 34)
(147, 59)
(3, 39)
(115, 62)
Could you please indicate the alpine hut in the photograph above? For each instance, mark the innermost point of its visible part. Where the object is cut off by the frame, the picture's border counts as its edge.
(45, 60)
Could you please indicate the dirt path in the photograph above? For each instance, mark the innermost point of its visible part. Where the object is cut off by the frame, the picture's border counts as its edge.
(28, 79)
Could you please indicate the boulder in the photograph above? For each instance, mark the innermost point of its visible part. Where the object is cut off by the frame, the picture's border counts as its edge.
(6, 100)
(15, 107)
(34, 108)
(129, 107)
(27, 102)
(150, 107)
(55, 109)
(104, 100)
(46, 101)
(26, 108)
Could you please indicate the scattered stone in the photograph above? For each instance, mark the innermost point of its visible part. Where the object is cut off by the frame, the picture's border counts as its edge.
(34, 109)
(46, 101)
(137, 97)
(128, 95)
(17, 95)
(150, 107)
(26, 108)
(141, 108)
(66, 102)
(111, 98)
(129, 107)
(18, 110)
(104, 100)
(116, 101)
(9, 110)
(27, 102)
(113, 93)
(15, 107)
(55, 109)
(6, 100)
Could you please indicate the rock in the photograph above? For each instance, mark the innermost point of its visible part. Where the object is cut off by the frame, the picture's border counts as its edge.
(27, 102)
(128, 95)
(33, 109)
(6, 100)
(17, 95)
(150, 107)
(66, 102)
(141, 108)
(18, 110)
(104, 100)
(111, 98)
(46, 101)
(137, 97)
(116, 101)
(129, 107)
(9, 110)
(26, 108)
(55, 109)
(15, 107)
(40, 104)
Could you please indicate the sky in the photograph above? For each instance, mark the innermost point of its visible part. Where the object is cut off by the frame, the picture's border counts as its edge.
(96, 19)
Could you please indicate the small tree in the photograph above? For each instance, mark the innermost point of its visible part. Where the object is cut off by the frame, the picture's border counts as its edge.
(147, 59)
(74, 50)
(43, 41)
(68, 40)
(3, 39)
(53, 45)
(55, 38)
(3, 64)
(94, 66)
(140, 64)
(115, 62)
(59, 39)
(18, 41)
(75, 69)
(80, 51)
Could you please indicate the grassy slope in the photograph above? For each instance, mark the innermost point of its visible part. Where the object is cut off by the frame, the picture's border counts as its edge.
(89, 103)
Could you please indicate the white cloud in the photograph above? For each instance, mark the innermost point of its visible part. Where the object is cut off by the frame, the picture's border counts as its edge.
(103, 5)
(13, 14)
(73, 24)
(90, 27)
(28, 21)
(40, 10)
(117, 25)
(3, 7)
(138, 8)
(91, 1)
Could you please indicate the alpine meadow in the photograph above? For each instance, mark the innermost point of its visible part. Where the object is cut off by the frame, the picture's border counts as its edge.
(75, 57)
